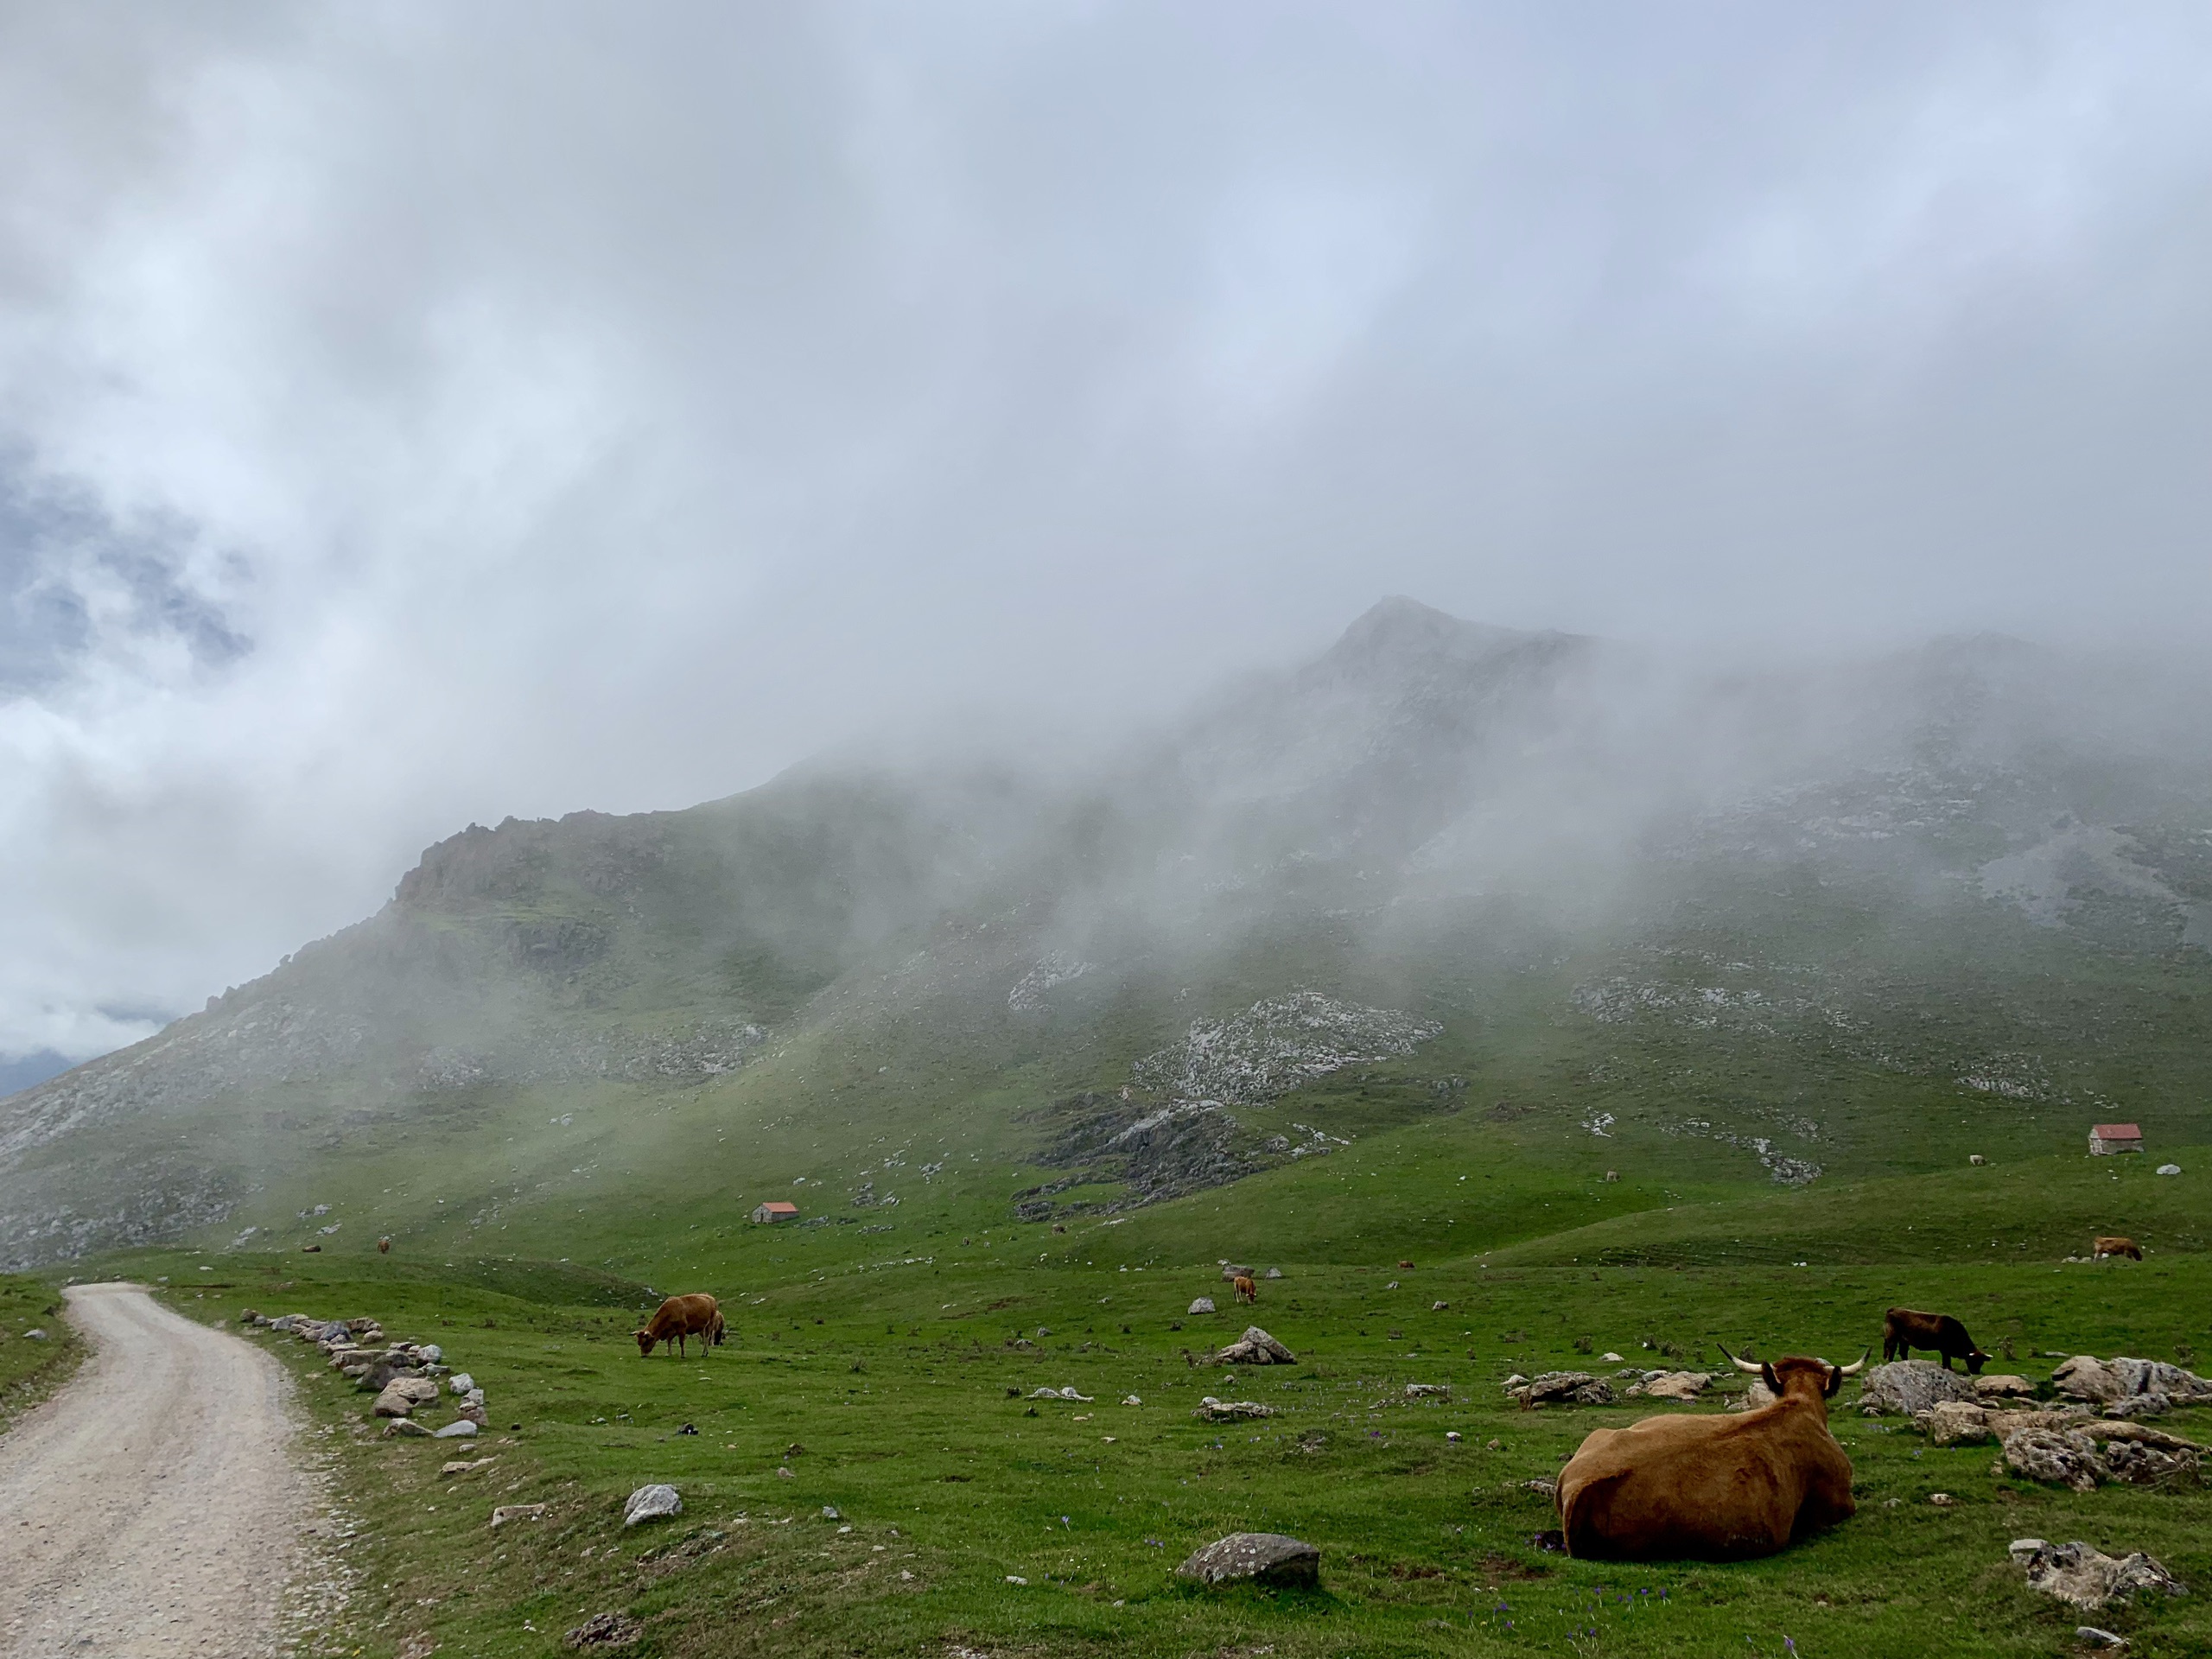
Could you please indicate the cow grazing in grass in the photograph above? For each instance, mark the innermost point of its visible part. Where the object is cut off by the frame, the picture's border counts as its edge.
(384, 1247)
(2119, 1247)
(680, 1317)
(1247, 1291)
(1904, 1330)
(1680, 1487)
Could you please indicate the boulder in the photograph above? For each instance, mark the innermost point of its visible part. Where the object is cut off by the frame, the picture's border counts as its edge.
(461, 1430)
(1230, 1411)
(460, 1383)
(1268, 1558)
(421, 1389)
(1229, 1270)
(2056, 1457)
(472, 1411)
(1424, 1390)
(1911, 1386)
(1203, 1305)
(1254, 1347)
(2145, 1466)
(1677, 1385)
(393, 1403)
(604, 1630)
(1563, 1388)
(1067, 1393)
(651, 1503)
(2168, 1169)
(2004, 1387)
(1753, 1398)
(1956, 1423)
(507, 1512)
(2108, 1382)
(1275, 1273)
(405, 1427)
(2087, 1578)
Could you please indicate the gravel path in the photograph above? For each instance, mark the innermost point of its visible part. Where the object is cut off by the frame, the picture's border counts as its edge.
(152, 1506)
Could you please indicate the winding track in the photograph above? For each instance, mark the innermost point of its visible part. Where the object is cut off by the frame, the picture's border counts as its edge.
(152, 1506)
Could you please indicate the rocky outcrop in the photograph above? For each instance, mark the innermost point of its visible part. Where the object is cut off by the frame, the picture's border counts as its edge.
(651, 1503)
(1561, 1388)
(2056, 1458)
(1672, 1385)
(1254, 1347)
(1911, 1387)
(1267, 1558)
(2130, 1387)
(1212, 1410)
(2085, 1578)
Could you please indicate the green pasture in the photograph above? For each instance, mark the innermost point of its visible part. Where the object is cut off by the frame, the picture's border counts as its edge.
(894, 1366)
(30, 1369)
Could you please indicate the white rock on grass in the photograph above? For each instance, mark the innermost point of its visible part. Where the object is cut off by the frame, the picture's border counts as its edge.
(1911, 1386)
(1203, 1304)
(460, 1431)
(1268, 1558)
(2087, 1578)
(651, 1503)
(460, 1383)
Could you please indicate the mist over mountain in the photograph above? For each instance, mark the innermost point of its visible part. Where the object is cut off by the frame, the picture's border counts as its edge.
(1629, 894)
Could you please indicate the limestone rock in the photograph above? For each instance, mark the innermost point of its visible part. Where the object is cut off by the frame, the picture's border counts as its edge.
(2056, 1457)
(604, 1630)
(421, 1389)
(1230, 1271)
(507, 1512)
(1254, 1347)
(1067, 1393)
(2145, 1466)
(460, 1383)
(1563, 1388)
(1267, 1558)
(2004, 1387)
(1753, 1398)
(2110, 1382)
(651, 1503)
(1425, 1390)
(1677, 1385)
(393, 1403)
(2087, 1578)
(404, 1427)
(1275, 1273)
(1912, 1386)
(1230, 1411)
(456, 1430)
(1203, 1305)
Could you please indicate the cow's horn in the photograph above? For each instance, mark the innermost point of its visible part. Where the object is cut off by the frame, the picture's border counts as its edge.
(1856, 1365)
(1751, 1365)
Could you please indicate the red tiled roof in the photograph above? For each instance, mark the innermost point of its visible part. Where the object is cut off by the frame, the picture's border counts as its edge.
(2117, 1132)
(779, 1204)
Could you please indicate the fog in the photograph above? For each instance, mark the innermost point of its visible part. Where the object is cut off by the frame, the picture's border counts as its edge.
(415, 414)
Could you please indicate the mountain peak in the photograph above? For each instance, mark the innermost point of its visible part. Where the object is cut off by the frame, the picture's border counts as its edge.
(1401, 633)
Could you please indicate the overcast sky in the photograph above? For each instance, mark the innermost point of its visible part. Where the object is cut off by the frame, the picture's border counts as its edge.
(413, 414)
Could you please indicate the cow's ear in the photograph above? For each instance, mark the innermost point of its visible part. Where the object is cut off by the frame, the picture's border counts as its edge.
(1773, 1381)
(1835, 1381)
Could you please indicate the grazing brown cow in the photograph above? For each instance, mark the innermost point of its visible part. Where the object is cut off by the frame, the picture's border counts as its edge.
(1712, 1488)
(1246, 1290)
(384, 1247)
(680, 1317)
(2106, 1247)
(1904, 1330)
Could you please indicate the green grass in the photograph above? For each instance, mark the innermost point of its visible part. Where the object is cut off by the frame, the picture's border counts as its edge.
(897, 1377)
(30, 1369)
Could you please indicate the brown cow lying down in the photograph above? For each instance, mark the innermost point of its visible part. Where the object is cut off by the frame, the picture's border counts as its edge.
(698, 1315)
(1712, 1488)
(2106, 1247)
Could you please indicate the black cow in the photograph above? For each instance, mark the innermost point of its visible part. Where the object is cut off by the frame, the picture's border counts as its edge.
(1905, 1330)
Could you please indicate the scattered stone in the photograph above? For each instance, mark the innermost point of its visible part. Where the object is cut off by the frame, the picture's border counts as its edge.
(1203, 1305)
(1452, 1435)
(1067, 1393)
(507, 1512)
(460, 1383)
(2058, 1458)
(1230, 1411)
(1675, 1385)
(1942, 1500)
(1254, 1347)
(1275, 1273)
(2004, 1387)
(1513, 1381)
(1911, 1386)
(36, 1333)
(1563, 1388)
(1438, 1307)
(405, 1428)
(1423, 1390)
(462, 1465)
(830, 1512)
(1231, 1271)
(393, 1403)
(1610, 1359)
(2168, 1169)
(1131, 1399)
(1541, 1485)
(459, 1431)
(1267, 1558)
(2089, 1636)
(2112, 1382)
(604, 1630)
(650, 1503)
(1753, 1398)
(2144, 1466)
(421, 1389)
(2087, 1578)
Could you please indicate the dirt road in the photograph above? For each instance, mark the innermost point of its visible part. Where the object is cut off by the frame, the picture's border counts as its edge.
(154, 1505)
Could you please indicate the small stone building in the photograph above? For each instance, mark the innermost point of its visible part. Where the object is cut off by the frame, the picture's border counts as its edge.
(774, 1211)
(2116, 1137)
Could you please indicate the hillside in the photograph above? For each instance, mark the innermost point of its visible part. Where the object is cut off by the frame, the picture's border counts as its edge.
(1447, 893)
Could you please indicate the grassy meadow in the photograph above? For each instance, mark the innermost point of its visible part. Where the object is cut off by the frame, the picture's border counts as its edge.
(890, 1373)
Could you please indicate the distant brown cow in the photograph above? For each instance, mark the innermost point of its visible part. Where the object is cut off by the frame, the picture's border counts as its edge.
(1245, 1290)
(384, 1247)
(1677, 1487)
(680, 1317)
(1905, 1330)
(2106, 1247)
